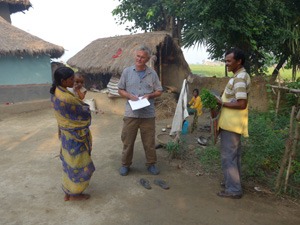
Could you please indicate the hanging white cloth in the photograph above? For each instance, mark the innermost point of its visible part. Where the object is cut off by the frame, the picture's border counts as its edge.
(181, 112)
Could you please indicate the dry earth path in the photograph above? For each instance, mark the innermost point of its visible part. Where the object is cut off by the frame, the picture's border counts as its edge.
(31, 194)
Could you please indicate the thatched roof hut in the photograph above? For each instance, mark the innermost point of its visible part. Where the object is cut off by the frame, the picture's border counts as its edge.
(113, 54)
(100, 55)
(16, 42)
(17, 5)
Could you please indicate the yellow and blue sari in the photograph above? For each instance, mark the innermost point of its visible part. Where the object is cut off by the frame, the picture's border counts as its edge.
(73, 118)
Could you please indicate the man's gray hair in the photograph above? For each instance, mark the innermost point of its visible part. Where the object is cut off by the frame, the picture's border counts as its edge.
(145, 49)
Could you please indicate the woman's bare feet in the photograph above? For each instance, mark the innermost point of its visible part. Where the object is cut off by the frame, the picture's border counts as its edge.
(76, 197)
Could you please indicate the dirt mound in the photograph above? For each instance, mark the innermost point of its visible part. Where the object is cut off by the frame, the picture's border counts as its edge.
(165, 105)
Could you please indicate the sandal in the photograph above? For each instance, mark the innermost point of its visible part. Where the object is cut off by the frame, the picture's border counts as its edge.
(79, 197)
(145, 183)
(161, 183)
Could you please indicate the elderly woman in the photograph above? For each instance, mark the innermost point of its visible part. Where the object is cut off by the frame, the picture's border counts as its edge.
(74, 118)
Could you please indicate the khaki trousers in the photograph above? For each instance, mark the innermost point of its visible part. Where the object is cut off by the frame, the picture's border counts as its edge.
(128, 136)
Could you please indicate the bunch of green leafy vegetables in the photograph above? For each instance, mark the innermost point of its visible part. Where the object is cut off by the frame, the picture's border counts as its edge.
(208, 99)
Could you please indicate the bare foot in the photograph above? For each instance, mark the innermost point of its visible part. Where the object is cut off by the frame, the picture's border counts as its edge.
(79, 197)
(67, 197)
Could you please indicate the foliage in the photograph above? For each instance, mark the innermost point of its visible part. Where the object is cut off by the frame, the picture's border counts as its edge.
(209, 158)
(294, 85)
(288, 98)
(262, 151)
(258, 27)
(264, 29)
(294, 179)
(208, 99)
(151, 15)
(142, 13)
(176, 150)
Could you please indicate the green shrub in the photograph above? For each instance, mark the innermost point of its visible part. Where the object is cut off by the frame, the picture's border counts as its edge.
(290, 98)
(176, 150)
(262, 152)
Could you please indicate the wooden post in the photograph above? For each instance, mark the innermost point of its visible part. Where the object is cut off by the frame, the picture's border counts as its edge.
(288, 146)
(277, 102)
(214, 113)
(160, 66)
(293, 152)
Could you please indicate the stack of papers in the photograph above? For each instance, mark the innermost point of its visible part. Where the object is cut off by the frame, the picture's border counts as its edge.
(141, 103)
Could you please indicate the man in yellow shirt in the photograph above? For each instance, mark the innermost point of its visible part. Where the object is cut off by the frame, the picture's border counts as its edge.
(233, 122)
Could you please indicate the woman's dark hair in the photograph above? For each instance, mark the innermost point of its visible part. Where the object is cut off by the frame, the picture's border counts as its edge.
(238, 54)
(62, 73)
(196, 90)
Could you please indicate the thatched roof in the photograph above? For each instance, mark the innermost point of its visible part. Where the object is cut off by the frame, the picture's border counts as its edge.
(15, 41)
(17, 5)
(113, 54)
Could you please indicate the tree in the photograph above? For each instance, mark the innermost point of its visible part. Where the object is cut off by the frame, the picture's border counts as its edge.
(151, 15)
(258, 27)
(264, 29)
(290, 47)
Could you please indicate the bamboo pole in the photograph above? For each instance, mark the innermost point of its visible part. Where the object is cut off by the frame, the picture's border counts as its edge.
(277, 102)
(293, 152)
(287, 173)
(292, 90)
(288, 146)
(160, 66)
(278, 95)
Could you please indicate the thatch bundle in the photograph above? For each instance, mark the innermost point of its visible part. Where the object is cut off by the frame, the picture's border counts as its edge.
(17, 42)
(113, 54)
(17, 5)
(165, 106)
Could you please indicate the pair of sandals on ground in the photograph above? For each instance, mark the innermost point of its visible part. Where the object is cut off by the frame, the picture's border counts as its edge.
(146, 184)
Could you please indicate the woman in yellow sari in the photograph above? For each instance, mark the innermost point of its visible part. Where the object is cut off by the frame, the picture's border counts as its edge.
(74, 118)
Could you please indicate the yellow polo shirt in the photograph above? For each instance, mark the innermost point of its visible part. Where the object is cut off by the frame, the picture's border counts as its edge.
(235, 120)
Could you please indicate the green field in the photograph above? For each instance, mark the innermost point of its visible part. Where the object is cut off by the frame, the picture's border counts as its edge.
(219, 71)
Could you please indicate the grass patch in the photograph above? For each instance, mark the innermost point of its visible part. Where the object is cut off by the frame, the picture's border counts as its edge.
(177, 150)
(209, 158)
(262, 152)
(206, 70)
(219, 71)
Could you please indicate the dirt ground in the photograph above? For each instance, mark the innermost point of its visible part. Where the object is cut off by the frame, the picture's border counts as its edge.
(31, 190)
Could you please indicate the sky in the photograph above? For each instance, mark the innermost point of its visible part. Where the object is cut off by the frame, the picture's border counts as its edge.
(73, 24)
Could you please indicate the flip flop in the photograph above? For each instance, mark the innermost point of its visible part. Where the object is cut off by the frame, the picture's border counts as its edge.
(161, 183)
(145, 183)
(79, 197)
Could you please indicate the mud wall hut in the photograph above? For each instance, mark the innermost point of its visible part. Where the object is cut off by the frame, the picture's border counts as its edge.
(24, 65)
(103, 60)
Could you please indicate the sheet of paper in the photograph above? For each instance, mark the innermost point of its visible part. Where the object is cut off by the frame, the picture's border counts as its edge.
(141, 103)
